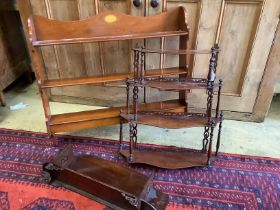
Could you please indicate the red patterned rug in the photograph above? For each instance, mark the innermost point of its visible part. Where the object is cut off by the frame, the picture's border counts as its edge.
(231, 182)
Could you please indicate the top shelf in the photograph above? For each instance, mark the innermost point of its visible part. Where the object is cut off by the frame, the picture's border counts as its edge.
(107, 26)
(108, 38)
(173, 51)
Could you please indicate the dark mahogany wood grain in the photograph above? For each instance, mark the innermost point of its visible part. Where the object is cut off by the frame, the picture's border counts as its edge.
(170, 120)
(169, 160)
(177, 85)
(103, 180)
(174, 51)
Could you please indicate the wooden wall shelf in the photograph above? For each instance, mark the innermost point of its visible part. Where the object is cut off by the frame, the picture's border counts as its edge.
(169, 160)
(107, 26)
(105, 181)
(109, 78)
(177, 84)
(107, 38)
(104, 27)
(102, 117)
(168, 118)
(171, 120)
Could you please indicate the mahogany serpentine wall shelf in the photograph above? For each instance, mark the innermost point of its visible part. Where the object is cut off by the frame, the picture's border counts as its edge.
(171, 119)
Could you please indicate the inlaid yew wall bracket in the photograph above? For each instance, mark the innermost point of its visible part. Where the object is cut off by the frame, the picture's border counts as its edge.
(104, 27)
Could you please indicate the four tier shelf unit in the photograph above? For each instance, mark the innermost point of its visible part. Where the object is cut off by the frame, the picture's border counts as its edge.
(172, 119)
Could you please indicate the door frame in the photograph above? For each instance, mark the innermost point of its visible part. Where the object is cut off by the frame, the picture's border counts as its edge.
(269, 80)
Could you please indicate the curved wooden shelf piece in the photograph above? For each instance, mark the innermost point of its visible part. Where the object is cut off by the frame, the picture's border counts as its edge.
(103, 117)
(109, 78)
(171, 120)
(107, 26)
(176, 84)
(173, 51)
(169, 160)
(104, 181)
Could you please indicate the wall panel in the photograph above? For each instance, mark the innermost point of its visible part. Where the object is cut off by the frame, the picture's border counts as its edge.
(239, 27)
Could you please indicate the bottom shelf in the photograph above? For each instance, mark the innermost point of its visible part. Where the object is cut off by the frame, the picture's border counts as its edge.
(169, 160)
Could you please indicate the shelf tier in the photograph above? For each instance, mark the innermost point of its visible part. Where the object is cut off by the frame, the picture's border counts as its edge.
(176, 84)
(103, 117)
(108, 38)
(174, 51)
(169, 160)
(109, 78)
(171, 120)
